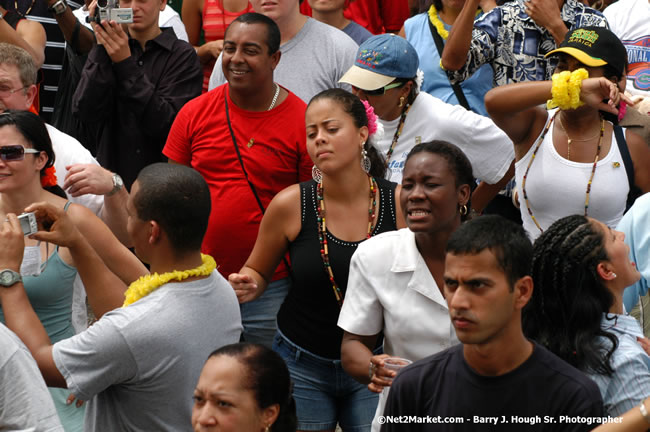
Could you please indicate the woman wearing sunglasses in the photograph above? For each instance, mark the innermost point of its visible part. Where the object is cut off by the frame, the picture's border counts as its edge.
(385, 74)
(27, 176)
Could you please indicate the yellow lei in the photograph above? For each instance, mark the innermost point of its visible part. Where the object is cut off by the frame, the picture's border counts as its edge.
(149, 283)
(440, 27)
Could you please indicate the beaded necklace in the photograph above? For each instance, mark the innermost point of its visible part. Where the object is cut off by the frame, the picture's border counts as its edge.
(530, 162)
(29, 9)
(398, 132)
(322, 232)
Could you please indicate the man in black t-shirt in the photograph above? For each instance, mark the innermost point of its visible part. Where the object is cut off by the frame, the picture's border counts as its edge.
(497, 379)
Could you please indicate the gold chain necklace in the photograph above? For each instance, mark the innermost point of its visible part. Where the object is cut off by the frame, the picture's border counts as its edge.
(151, 282)
(530, 162)
(275, 99)
(570, 140)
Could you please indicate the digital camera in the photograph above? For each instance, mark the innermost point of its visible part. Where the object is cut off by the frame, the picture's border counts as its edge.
(108, 10)
(28, 223)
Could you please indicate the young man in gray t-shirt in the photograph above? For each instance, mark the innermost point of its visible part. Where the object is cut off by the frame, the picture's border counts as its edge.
(138, 364)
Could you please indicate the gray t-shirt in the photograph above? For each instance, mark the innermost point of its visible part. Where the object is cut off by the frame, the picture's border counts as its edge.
(312, 61)
(25, 403)
(140, 364)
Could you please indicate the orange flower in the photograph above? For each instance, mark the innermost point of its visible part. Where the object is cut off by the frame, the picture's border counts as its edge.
(48, 178)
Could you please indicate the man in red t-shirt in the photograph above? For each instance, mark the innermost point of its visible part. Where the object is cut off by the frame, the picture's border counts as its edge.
(268, 124)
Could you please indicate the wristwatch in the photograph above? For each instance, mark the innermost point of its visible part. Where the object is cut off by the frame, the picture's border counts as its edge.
(118, 184)
(58, 7)
(9, 277)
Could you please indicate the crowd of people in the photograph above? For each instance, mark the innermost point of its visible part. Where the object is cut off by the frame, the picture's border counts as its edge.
(288, 215)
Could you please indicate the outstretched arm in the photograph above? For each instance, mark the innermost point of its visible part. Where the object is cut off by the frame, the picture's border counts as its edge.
(280, 225)
(19, 314)
(79, 231)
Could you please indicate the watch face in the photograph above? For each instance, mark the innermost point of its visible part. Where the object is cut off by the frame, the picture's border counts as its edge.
(5, 277)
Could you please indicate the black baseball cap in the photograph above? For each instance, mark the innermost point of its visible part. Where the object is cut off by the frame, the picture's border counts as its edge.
(594, 46)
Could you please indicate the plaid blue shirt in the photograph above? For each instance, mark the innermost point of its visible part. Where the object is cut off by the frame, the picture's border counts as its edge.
(509, 40)
(630, 382)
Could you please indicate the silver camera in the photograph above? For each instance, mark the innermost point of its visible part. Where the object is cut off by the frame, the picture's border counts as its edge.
(28, 223)
(108, 10)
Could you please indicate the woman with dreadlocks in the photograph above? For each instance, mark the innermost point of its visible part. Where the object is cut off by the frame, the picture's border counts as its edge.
(581, 268)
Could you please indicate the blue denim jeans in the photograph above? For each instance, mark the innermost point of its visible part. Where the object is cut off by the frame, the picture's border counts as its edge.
(259, 316)
(325, 394)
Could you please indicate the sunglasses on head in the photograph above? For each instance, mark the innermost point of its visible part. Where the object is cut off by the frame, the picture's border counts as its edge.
(15, 152)
(382, 90)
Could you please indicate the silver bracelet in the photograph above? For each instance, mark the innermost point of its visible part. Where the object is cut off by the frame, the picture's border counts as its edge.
(644, 411)
(371, 370)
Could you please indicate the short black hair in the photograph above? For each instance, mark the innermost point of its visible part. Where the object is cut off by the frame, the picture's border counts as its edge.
(459, 164)
(457, 161)
(178, 198)
(505, 239)
(268, 378)
(273, 36)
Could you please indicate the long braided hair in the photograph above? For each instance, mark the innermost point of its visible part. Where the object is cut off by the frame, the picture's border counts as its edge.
(569, 298)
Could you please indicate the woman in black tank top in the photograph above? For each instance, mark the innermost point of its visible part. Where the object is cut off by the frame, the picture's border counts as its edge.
(320, 223)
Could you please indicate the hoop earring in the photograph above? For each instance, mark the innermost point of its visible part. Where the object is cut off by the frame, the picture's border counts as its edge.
(365, 160)
(463, 210)
(316, 174)
(401, 101)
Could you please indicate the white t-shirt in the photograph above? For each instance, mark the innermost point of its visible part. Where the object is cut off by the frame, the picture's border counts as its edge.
(25, 403)
(312, 61)
(630, 21)
(487, 147)
(140, 364)
(390, 288)
(557, 187)
(69, 151)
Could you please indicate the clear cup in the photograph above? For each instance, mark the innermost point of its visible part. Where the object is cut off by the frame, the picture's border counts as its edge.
(395, 364)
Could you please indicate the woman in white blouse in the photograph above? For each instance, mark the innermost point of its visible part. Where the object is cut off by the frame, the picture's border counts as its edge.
(396, 278)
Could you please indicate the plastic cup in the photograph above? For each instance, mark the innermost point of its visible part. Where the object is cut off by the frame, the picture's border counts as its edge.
(396, 364)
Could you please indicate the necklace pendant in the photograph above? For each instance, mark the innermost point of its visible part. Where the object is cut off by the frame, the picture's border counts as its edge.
(250, 143)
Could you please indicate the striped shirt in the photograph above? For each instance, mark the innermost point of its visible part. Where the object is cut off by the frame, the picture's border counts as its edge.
(54, 48)
(630, 382)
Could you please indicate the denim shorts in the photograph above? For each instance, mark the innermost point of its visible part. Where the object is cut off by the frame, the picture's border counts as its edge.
(259, 316)
(325, 394)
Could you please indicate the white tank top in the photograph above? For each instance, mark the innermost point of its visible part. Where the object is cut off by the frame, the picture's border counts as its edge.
(557, 187)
